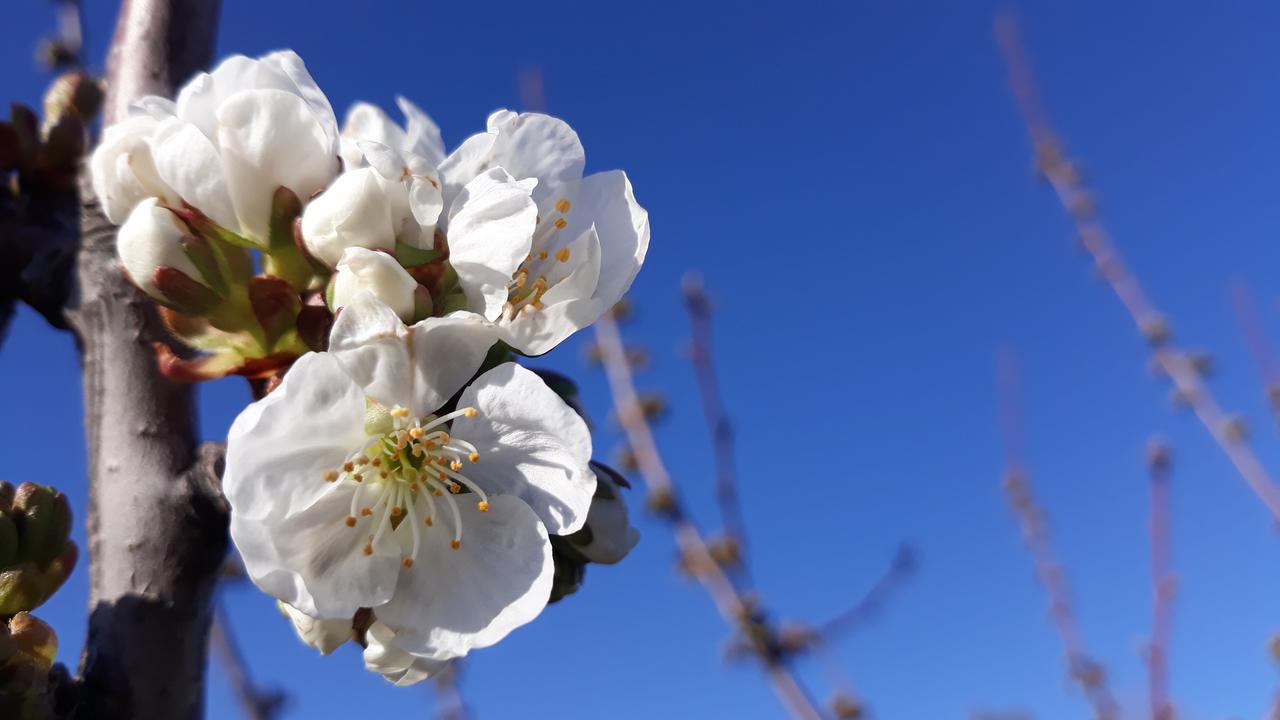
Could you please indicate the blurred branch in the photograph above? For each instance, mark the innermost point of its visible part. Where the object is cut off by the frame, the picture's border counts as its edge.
(65, 50)
(1163, 583)
(1259, 347)
(1078, 202)
(1083, 670)
(449, 702)
(736, 609)
(858, 614)
(718, 426)
(258, 703)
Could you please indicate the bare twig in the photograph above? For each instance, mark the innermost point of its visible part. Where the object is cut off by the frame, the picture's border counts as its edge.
(721, 430)
(870, 605)
(1084, 671)
(1163, 584)
(734, 607)
(449, 702)
(258, 703)
(65, 50)
(1076, 199)
(1259, 347)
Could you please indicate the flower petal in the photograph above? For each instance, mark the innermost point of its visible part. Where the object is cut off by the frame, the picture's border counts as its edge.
(498, 579)
(399, 667)
(447, 352)
(269, 139)
(421, 132)
(190, 164)
(490, 234)
(532, 445)
(527, 145)
(279, 447)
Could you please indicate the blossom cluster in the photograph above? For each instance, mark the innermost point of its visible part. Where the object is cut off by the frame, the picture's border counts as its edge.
(406, 482)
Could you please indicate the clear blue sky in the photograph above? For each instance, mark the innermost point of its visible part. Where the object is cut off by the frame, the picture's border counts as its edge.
(855, 185)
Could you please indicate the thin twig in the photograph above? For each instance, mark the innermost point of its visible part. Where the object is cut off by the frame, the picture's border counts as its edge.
(1259, 347)
(1083, 670)
(1076, 199)
(258, 703)
(1163, 584)
(870, 605)
(721, 430)
(733, 606)
(449, 702)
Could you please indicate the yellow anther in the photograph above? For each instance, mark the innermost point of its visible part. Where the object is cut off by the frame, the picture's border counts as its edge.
(376, 462)
(438, 493)
(430, 445)
(413, 487)
(474, 456)
(542, 255)
(482, 506)
(416, 433)
(456, 465)
(470, 412)
(408, 562)
(563, 205)
(351, 521)
(563, 254)
(444, 438)
(455, 488)
(383, 474)
(560, 223)
(358, 477)
(366, 512)
(455, 544)
(399, 412)
(396, 511)
(430, 522)
(362, 460)
(368, 549)
(330, 475)
(348, 467)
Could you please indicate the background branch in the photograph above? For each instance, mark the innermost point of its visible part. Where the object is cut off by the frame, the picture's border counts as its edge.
(1163, 583)
(1076, 199)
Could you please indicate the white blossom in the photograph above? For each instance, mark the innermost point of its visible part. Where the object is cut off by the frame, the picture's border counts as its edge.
(352, 485)
(122, 169)
(149, 240)
(230, 140)
(383, 655)
(378, 273)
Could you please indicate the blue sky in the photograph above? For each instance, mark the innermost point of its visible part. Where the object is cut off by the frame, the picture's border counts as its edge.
(854, 183)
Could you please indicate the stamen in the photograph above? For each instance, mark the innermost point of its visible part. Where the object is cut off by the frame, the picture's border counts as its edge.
(560, 223)
(351, 521)
(330, 475)
(563, 254)
(563, 205)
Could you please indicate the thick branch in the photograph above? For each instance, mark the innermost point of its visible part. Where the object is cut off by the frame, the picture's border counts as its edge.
(157, 524)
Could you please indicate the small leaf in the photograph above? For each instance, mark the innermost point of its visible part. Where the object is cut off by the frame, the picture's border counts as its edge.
(180, 292)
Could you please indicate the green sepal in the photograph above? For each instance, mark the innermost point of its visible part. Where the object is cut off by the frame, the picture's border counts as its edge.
(283, 257)
(410, 257)
(201, 254)
(275, 306)
(180, 292)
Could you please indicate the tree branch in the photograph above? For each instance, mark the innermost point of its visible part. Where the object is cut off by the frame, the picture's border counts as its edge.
(1163, 584)
(157, 524)
(1075, 198)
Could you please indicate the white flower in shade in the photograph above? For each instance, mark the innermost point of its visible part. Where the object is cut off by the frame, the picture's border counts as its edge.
(237, 134)
(364, 122)
(323, 635)
(590, 239)
(122, 169)
(393, 198)
(608, 536)
(400, 667)
(151, 239)
(378, 273)
(354, 485)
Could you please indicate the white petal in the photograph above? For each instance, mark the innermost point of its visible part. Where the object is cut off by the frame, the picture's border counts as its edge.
(362, 270)
(122, 169)
(533, 145)
(471, 158)
(400, 668)
(323, 635)
(368, 123)
(451, 601)
(269, 139)
(292, 66)
(362, 321)
(151, 239)
(570, 303)
(447, 352)
(421, 132)
(490, 234)
(531, 445)
(189, 162)
(354, 211)
(279, 448)
(612, 536)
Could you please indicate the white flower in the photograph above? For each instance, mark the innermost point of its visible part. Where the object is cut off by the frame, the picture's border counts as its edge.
(237, 134)
(365, 122)
(323, 635)
(400, 667)
(392, 198)
(342, 482)
(149, 240)
(122, 170)
(608, 535)
(591, 236)
(379, 273)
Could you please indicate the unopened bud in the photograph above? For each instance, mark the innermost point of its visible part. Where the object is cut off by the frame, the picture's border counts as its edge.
(44, 522)
(152, 245)
(36, 642)
(354, 211)
(379, 273)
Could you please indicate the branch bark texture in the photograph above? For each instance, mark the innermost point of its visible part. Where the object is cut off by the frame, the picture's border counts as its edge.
(157, 523)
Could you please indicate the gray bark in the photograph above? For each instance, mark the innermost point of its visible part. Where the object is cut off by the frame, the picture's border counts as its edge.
(157, 521)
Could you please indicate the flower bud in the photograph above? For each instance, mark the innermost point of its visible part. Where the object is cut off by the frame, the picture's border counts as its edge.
(379, 273)
(608, 535)
(44, 519)
(355, 211)
(151, 245)
(323, 635)
(36, 641)
(122, 169)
